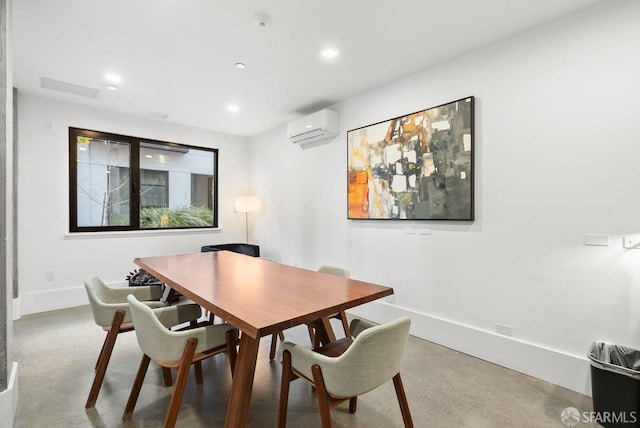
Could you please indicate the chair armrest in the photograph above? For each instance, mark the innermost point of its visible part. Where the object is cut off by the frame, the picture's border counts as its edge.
(142, 293)
(103, 313)
(358, 325)
(303, 358)
(169, 346)
(171, 316)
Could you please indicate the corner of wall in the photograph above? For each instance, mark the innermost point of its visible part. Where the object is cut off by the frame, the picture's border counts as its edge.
(9, 399)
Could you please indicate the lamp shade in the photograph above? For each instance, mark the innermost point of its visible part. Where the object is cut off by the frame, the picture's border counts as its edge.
(247, 204)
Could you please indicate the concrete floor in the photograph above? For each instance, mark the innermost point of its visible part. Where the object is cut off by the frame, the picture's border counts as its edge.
(57, 351)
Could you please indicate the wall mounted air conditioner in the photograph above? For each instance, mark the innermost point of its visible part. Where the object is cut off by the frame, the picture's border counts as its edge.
(319, 126)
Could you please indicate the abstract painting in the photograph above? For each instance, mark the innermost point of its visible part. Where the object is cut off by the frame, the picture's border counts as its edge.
(414, 167)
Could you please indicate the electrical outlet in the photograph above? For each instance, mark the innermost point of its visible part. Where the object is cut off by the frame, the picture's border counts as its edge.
(505, 330)
(51, 275)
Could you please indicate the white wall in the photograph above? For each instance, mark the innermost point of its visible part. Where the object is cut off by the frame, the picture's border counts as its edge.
(44, 201)
(557, 157)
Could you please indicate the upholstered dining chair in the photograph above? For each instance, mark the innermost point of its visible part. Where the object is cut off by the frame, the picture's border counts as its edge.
(344, 369)
(175, 350)
(342, 316)
(111, 312)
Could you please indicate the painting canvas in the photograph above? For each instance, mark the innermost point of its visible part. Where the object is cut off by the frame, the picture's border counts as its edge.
(414, 167)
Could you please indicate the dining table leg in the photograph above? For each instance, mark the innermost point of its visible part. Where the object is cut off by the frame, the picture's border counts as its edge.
(323, 332)
(238, 407)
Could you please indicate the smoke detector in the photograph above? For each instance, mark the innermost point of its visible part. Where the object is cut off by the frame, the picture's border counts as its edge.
(262, 20)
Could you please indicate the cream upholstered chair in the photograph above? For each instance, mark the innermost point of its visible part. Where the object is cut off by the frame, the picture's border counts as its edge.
(331, 270)
(344, 369)
(111, 312)
(175, 350)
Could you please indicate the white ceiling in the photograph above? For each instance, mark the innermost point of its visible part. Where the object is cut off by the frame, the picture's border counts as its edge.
(177, 56)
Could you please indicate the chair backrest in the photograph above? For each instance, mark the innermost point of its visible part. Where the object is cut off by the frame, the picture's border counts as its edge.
(101, 300)
(333, 270)
(105, 301)
(374, 357)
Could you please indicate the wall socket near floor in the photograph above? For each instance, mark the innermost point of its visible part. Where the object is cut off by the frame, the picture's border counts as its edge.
(503, 329)
(50, 275)
(631, 242)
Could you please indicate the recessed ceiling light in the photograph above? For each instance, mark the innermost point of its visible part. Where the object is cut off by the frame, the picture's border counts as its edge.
(156, 115)
(233, 108)
(329, 53)
(112, 88)
(112, 78)
(240, 66)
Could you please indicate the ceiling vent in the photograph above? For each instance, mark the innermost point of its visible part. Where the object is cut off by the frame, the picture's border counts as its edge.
(319, 126)
(69, 88)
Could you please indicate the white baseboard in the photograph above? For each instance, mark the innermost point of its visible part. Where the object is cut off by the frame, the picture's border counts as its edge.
(9, 399)
(568, 371)
(51, 300)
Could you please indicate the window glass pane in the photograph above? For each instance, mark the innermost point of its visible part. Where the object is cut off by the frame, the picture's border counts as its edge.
(154, 189)
(169, 197)
(202, 190)
(103, 182)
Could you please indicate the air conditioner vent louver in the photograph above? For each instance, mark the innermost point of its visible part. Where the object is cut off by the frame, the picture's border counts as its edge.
(319, 126)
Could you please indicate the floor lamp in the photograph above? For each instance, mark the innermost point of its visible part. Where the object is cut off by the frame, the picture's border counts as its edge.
(247, 204)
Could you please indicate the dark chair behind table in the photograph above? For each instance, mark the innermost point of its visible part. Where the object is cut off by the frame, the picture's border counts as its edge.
(246, 249)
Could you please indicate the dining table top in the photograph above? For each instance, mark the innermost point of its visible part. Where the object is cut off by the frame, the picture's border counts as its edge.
(255, 295)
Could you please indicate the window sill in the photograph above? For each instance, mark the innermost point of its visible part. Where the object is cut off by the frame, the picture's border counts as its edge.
(134, 233)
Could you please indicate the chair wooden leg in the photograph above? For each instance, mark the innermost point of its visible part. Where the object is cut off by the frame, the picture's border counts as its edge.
(135, 389)
(353, 404)
(323, 397)
(166, 374)
(198, 369)
(181, 381)
(232, 351)
(105, 355)
(402, 400)
(287, 377)
(101, 352)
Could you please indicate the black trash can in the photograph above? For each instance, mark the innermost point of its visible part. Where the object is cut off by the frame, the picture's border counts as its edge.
(615, 385)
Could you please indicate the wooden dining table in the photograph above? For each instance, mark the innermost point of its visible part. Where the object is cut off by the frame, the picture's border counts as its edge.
(259, 298)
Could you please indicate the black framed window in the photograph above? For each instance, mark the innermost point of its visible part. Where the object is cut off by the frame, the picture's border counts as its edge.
(118, 182)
